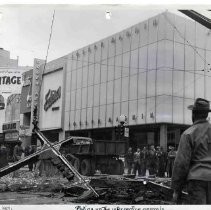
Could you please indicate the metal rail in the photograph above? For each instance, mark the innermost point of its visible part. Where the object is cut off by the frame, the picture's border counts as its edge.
(205, 21)
(24, 161)
(65, 161)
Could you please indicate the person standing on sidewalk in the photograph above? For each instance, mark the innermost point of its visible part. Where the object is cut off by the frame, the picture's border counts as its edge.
(18, 151)
(129, 160)
(161, 161)
(28, 151)
(143, 157)
(152, 161)
(3, 156)
(192, 165)
(170, 161)
(137, 162)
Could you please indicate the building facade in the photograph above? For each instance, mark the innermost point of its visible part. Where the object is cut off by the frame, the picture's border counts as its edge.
(52, 99)
(11, 126)
(149, 72)
(25, 107)
(10, 90)
(5, 59)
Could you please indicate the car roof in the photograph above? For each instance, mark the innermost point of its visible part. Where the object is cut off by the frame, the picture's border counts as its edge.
(75, 138)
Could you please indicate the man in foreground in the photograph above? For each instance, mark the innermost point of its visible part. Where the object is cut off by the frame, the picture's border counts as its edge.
(193, 161)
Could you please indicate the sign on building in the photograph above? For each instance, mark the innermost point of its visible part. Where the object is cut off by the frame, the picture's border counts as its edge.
(13, 126)
(126, 134)
(51, 97)
(10, 80)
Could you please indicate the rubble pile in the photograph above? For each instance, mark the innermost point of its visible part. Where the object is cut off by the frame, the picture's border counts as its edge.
(29, 181)
(118, 190)
(111, 189)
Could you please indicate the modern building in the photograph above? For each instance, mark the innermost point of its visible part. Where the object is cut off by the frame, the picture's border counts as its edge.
(149, 72)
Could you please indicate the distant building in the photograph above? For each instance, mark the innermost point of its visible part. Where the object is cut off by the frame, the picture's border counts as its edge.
(149, 72)
(10, 90)
(6, 61)
(25, 107)
(11, 125)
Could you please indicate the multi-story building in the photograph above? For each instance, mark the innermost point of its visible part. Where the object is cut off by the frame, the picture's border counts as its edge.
(149, 72)
(11, 125)
(25, 107)
(5, 59)
(10, 90)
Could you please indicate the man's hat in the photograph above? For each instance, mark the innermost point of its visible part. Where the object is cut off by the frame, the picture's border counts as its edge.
(200, 104)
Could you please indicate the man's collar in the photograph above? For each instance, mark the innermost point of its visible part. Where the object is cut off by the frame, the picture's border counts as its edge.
(200, 121)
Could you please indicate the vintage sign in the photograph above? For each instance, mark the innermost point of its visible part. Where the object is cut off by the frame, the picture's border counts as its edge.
(14, 126)
(51, 97)
(11, 136)
(10, 80)
(36, 85)
(6, 80)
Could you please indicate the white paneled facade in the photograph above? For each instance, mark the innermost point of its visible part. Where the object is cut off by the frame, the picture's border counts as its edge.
(149, 72)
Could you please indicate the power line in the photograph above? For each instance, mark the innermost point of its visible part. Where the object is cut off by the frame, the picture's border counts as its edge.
(194, 48)
(164, 68)
(49, 41)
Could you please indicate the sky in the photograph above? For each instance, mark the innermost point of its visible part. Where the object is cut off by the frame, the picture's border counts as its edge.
(25, 29)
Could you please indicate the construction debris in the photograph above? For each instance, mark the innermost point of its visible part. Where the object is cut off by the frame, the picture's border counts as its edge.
(30, 182)
(111, 189)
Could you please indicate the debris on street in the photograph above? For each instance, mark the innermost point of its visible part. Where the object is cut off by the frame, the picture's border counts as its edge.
(111, 189)
(30, 182)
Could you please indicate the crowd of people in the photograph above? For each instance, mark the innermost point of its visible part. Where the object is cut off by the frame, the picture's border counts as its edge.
(156, 161)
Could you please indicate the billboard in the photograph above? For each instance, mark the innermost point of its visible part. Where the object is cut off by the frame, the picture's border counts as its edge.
(10, 80)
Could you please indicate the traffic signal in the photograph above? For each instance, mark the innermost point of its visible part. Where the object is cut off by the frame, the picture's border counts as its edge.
(122, 130)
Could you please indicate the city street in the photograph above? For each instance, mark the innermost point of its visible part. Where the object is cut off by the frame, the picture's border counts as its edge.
(105, 104)
(31, 198)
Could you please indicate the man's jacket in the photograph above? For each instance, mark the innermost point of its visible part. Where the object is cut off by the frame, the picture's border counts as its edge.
(17, 152)
(193, 160)
(129, 157)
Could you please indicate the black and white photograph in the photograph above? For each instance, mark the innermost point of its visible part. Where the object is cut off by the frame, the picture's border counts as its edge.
(105, 104)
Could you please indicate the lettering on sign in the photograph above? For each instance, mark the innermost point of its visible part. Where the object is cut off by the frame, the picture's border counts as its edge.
(7, 80)
(10, 126)
(51, 97)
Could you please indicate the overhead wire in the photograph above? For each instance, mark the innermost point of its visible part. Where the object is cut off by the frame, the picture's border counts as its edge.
(49, 40)
(194, 80)
(164, 68)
